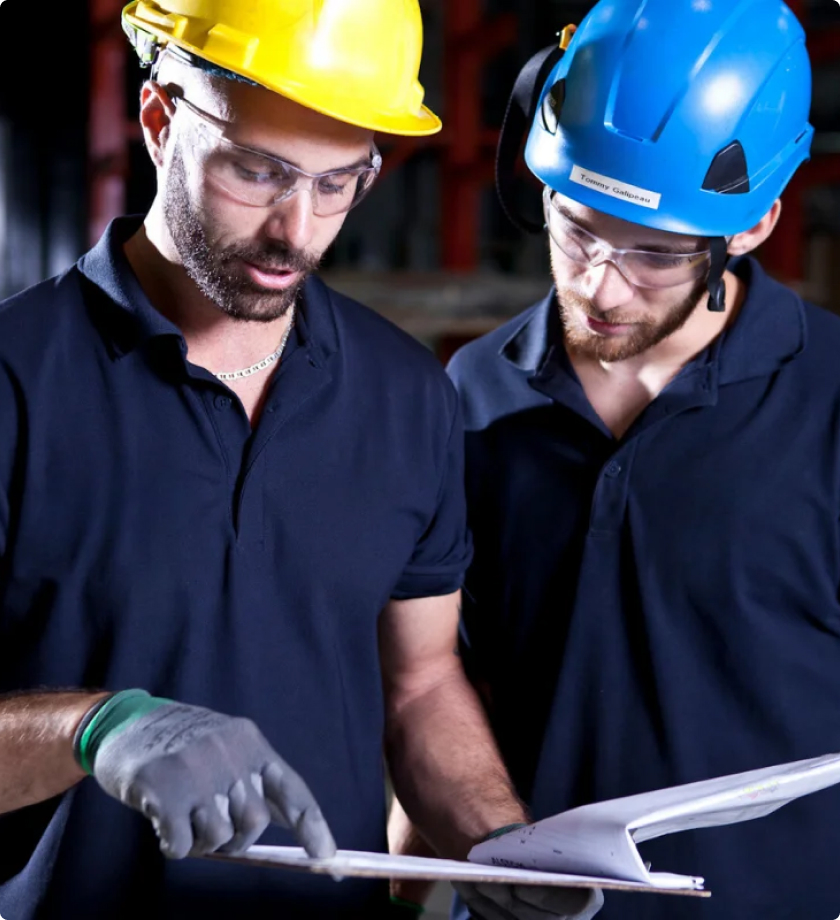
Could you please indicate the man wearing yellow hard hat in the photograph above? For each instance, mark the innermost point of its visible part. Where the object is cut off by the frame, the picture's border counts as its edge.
(232, 529)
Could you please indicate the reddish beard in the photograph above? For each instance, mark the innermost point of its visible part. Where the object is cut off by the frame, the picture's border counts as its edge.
(643, 334)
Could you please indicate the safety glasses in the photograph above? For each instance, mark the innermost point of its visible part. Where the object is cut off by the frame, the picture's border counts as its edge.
(260, 180)
(641, 267)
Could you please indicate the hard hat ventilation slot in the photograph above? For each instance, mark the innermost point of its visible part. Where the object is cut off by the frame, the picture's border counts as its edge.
(728, 172)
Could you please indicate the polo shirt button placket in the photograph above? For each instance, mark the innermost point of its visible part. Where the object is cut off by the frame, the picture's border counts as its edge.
(610, 498)
(222, 402)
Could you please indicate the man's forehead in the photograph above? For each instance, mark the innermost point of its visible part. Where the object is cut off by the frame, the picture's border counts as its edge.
(611, 227)
(272, 125)
(257, 111)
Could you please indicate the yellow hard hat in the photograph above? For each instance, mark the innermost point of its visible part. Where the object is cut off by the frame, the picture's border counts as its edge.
(357, 61)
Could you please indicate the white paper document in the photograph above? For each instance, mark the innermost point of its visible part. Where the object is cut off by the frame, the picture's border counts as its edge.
(600, 839)
(594, 845)
(354, 864)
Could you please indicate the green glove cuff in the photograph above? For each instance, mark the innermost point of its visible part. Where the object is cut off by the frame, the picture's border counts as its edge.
(502, 831)
(108, 717)
(416, 909)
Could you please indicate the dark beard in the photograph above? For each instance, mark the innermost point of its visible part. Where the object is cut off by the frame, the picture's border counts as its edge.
(645, 335)
(215, 271)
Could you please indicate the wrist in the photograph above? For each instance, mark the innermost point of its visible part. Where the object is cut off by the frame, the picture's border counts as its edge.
(108, 716)
(501, 831)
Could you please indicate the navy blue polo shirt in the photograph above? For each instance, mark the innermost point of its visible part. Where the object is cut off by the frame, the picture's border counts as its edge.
(149, 538)
(662, 607)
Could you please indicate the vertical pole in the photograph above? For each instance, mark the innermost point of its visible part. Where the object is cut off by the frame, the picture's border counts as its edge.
(108, 139)
(461, 185)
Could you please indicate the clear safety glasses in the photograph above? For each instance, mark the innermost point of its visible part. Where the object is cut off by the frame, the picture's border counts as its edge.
(260, 180)
(641, 267)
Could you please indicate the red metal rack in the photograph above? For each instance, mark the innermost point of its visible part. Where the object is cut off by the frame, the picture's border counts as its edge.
(109, 131)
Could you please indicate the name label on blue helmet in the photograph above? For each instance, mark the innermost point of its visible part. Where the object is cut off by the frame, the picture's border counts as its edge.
(615, 189)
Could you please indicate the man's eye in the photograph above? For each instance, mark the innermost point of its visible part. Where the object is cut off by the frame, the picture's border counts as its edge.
(335, 185)
(578, 240)
(663, 260)
(251, 173)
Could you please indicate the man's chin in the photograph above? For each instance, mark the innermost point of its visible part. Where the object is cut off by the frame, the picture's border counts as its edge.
(261, 315)
(257, 306)
(609, 350)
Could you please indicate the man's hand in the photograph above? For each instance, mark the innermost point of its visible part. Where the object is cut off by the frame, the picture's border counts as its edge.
(529, 902)
(208, 782)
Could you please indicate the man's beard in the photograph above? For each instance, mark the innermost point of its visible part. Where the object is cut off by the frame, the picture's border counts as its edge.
(217, 272)
(646, 332)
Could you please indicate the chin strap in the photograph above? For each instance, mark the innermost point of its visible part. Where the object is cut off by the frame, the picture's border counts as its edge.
(717, 289)
(519, 116)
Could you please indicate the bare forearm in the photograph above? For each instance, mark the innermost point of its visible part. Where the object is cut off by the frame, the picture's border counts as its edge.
(446, 768)
(36, 745)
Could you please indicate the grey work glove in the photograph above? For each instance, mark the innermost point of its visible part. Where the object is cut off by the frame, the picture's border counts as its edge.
(492, 901)
(208, 782)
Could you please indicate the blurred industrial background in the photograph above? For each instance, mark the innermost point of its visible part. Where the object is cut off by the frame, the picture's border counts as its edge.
(430, 248)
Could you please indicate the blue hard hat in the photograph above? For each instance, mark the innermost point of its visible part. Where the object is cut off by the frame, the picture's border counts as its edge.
(682, 115)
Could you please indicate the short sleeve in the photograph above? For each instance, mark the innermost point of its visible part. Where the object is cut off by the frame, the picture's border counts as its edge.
(443, 553)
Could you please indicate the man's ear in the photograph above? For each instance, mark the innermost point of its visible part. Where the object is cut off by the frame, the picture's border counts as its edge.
(156, 111)
(751, 239)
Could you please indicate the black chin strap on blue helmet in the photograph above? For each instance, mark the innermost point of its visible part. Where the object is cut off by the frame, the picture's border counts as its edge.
(715, 284)
(522, 109)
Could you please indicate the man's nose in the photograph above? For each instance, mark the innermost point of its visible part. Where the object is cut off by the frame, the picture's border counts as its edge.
(292, 220)
(606, 287)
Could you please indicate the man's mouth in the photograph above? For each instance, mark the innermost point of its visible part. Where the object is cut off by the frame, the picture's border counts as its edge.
(603, 328)
(277, 279)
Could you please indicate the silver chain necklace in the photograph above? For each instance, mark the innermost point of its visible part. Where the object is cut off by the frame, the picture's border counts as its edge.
(273, 358)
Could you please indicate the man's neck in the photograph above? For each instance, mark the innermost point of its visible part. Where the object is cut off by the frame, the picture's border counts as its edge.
(619, 391)
(214, 340)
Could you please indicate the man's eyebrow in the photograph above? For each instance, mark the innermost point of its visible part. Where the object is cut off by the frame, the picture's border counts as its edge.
(361, 163)
(679, 249)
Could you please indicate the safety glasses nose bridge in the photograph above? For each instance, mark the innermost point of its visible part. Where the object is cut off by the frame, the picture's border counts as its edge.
(598, 252)
(593, 250)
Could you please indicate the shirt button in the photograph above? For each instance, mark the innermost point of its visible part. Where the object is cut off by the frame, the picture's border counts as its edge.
(612, 469)
(222, 402)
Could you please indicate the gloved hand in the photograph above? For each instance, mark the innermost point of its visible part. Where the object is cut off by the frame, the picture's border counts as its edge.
(529, 902)
(493, 901)
(208, 782)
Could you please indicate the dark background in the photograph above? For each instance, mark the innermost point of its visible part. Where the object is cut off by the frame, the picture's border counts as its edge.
(430, 247)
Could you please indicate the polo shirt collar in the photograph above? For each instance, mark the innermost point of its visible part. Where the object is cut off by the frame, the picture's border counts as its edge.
(528, 346)
(107, 266)
(768, 333)
(137, 321)
(316, 321)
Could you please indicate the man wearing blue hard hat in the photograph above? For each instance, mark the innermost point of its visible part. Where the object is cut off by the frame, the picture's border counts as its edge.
(653, 453)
